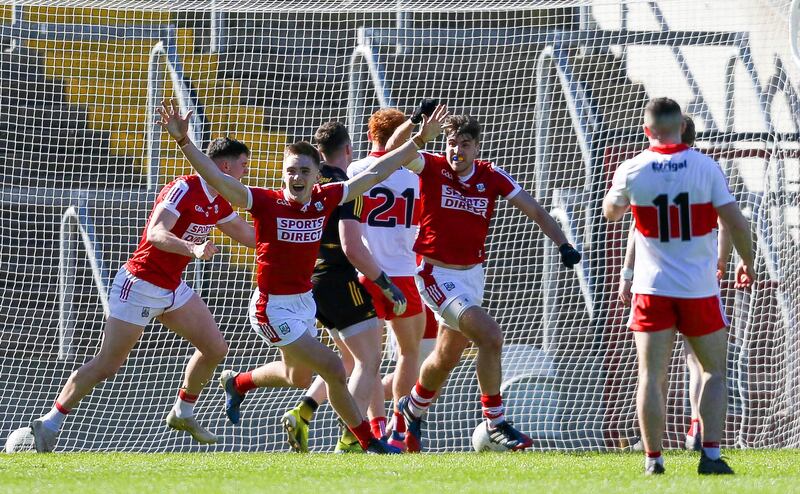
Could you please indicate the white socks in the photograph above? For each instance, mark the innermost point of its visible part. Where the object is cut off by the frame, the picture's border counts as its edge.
(54, 419)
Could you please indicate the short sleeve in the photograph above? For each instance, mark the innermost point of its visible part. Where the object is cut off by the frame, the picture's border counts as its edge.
(256, 199)
(336, 191)
(619, 194)
(417, 164)
(506, 185)
(173, 199)
(226, 213)
(720, 193)
(352, 210)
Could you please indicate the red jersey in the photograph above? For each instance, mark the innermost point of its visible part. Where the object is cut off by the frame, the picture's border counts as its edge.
(455, 211)
(188, 198)
(288, 235)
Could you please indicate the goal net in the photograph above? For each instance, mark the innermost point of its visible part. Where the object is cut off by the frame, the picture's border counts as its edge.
(559, 86)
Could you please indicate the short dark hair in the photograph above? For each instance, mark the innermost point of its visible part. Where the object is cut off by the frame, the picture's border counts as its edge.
(225, 147)
(331, 137)
(465, 125)
(689, 133)
(663, 112)
(303, 148)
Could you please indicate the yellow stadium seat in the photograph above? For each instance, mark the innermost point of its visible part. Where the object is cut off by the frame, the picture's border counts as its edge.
(71, 15)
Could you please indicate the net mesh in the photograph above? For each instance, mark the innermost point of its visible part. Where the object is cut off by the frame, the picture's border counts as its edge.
(559, 87)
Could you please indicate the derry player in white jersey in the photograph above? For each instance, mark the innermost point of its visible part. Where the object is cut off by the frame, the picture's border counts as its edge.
(676, 195)
(378, 231)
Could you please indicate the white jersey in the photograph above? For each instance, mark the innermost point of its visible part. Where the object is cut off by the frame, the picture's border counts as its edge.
(673, 192)
(389, 213)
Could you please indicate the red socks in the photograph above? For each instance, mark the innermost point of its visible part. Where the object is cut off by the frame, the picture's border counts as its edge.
(183, 395)
(243, 382)
(493, 409)
(362, 433)
(378, 427)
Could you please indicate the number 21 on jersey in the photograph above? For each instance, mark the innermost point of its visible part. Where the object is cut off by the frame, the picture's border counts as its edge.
(386, 210)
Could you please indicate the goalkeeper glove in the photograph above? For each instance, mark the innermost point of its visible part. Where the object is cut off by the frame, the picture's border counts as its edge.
(426, 108)
(391, 292)
(569, 256)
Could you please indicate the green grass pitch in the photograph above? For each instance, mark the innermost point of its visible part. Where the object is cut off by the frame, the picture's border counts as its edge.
(458, 473)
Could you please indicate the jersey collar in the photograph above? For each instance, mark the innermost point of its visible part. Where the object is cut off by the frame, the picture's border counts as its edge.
(471, 173)
(669, 148)
(377, 154)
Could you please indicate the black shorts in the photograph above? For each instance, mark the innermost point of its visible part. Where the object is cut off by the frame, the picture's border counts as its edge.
(341, 300)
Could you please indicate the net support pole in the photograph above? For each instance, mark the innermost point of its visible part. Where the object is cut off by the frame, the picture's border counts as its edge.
(356, 93)
(166, 50)
(78, 218)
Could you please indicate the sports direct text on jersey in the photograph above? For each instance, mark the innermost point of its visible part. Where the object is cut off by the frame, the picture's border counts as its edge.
(300, 230)
(453, 199)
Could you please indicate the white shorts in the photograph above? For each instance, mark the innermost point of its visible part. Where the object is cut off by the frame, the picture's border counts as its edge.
(137, 301)
(450, 292)
(283, 318)
(426, 346)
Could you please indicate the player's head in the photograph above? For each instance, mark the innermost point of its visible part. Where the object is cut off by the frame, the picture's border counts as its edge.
(300, 170)
(230, 155)
(333, 141)
(663, 120)
(689, 134)
(382, 125)
(463, 135)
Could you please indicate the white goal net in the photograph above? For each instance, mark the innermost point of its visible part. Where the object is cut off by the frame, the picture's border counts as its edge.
(559, 87)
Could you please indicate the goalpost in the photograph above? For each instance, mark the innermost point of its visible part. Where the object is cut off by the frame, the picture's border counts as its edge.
(559, 86)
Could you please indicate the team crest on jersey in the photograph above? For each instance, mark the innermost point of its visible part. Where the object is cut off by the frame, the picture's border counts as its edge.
(453, 199)
(284, 328)
(319, 206)
(480, 187)
(216, 209)
(145, 311)
(449, 286)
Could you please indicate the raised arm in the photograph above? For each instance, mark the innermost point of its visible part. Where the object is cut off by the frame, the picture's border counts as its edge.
(159, 233)
(388, 163)
(178, 127)
(403, 133)
(739, 230)
(239, 230)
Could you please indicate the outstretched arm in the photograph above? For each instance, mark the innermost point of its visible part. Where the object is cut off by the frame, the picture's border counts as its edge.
(387, 164)
(178, 127)
(531, 208)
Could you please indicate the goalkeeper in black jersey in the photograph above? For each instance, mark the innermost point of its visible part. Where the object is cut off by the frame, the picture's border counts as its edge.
(345, 308)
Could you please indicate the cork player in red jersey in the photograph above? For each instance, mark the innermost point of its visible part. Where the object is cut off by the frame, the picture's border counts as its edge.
(458, 196)
(149, 286)
(289, 224)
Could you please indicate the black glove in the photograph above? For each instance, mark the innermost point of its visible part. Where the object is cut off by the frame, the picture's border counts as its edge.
(569, 256)
(426, 108)
(391, 292)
